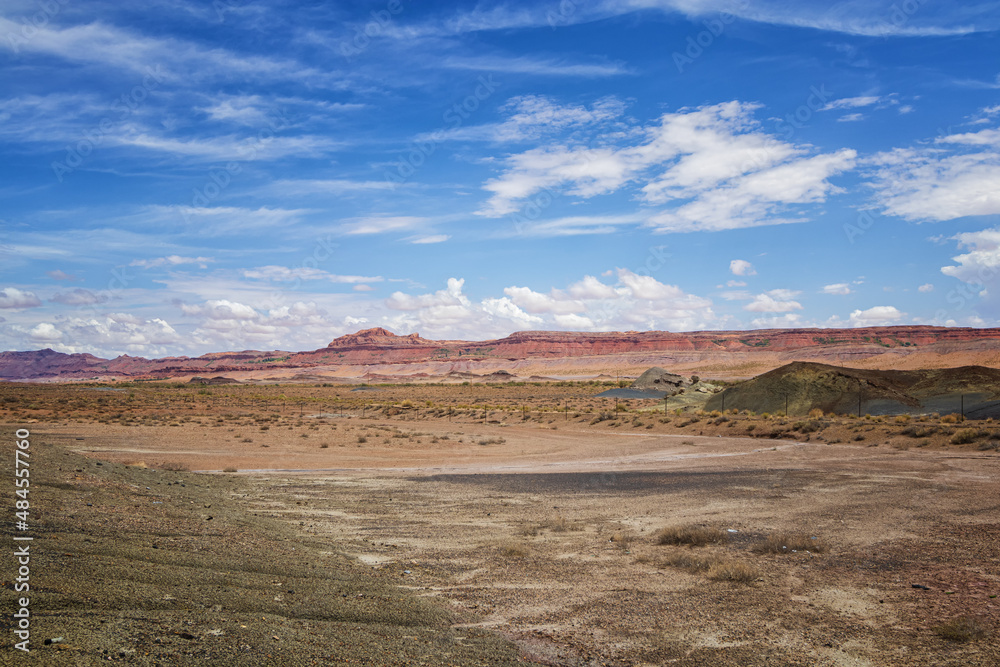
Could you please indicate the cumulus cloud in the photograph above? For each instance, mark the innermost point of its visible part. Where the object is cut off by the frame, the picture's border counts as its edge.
(225, 324)
(981, 264)
(13, 298)
(505, 309)
(534, 302)
(954, 179)
(923, 289)
(741, 267)
(45, 332)
(591, 288)
(220, 309)
(774, 301)
(709, 168)
(112, 333)
(634, 301)
(877, 316)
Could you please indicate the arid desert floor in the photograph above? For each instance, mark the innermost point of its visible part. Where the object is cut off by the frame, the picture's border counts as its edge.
(180, 532)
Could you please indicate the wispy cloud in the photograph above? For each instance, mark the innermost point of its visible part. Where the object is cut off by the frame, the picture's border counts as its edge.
(535, 66)
(878, 18)
(381, 225)
(171, 260)
(183, 62)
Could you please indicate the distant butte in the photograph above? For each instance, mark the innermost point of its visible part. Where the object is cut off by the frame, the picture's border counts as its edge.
(375, 338)
(377, 352)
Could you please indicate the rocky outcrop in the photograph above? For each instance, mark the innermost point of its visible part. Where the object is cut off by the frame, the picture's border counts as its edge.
(660, 381)
(377, 338)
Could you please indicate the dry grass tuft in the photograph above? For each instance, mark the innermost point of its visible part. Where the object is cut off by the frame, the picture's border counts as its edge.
(716, 568)
(964, 436)
(732, 570)
(784, 543)
(623, 540)
(512, 549)
(695, 536)
(962, 629)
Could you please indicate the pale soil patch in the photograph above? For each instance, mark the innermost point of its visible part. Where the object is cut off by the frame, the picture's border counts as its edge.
(548, 536)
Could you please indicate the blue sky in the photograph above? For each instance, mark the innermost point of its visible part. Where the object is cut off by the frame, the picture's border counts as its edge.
(184, 177)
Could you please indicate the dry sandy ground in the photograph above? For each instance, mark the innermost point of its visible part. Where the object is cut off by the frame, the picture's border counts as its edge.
(547, 536)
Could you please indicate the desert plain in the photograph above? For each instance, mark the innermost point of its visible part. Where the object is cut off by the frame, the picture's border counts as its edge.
(496, 524)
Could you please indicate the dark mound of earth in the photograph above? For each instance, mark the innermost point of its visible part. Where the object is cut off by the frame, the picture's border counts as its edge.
(219, 379)
(803, 386)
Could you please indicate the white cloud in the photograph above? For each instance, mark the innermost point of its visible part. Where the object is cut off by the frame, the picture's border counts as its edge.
(330, 186)
(923, 289)
(574, 322)
(61, 275)
(172, 260)
(426, 240)
(221, 309)
(875, 317)
(851, 118)
(505, 309)
(939, 183)
(741, 267)
(788, 320)
(717, 170)
(276, 273)
(169, 59)
(45, 332)
(842, 289)
(591, 288)
(535, 66)
(381, 225)
(576, 225)
(79, 297)
(225, 220)
(981, 264)
(13, 298)
(774, 301)
(647, 287)
(530, 117)
(109, 335)
(634, 302)
(870, 19)
(852, 102)
(881, 18)
(534, 302)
